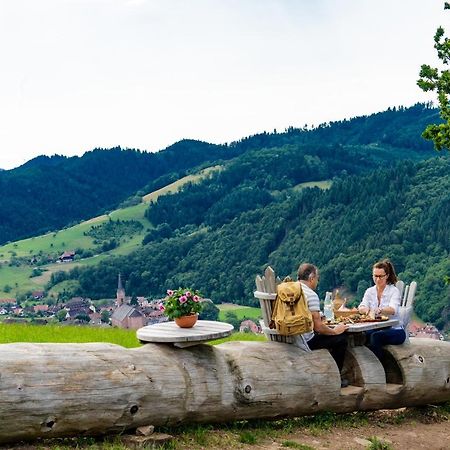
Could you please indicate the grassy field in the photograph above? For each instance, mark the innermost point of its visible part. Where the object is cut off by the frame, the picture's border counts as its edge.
(66, 334)
(240, 311)
(78, 334)
(18, 278)
(326, 184)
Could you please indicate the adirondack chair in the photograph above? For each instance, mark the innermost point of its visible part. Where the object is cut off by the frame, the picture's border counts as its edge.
(266, 288)
(407, 296)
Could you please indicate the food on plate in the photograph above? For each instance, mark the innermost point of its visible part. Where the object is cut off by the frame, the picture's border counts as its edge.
(356, 318)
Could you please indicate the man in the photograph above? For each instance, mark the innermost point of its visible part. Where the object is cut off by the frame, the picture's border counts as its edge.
(323, 336)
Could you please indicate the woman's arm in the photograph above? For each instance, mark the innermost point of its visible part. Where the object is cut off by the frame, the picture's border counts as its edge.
(394, 302)
(364, 306)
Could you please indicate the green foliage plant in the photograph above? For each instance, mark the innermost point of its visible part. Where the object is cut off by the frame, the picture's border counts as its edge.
(298, 445)
(377, 444)
(247, 437)
(181, 302)
(434, 79)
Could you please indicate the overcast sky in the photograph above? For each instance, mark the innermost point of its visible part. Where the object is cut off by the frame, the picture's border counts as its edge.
(81, 74)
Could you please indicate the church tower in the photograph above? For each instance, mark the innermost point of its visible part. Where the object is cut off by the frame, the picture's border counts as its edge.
(120, 294)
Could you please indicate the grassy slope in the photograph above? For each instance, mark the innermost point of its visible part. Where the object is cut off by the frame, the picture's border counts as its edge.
(64, 334)
(10, 333)
(240, 311)
(18, 278)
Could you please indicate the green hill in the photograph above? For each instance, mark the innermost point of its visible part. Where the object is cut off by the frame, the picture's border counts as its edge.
(19, 259)
(341, 196)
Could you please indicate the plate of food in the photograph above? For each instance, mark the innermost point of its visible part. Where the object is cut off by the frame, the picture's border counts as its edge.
(356, 318)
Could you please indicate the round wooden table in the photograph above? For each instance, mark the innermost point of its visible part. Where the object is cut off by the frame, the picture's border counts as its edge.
(171, 333)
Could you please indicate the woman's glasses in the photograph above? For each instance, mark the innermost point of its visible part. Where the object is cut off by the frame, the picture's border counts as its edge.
(379, 276)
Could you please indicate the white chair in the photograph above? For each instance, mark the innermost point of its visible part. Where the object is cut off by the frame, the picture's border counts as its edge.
(266, 288)
(406, 308)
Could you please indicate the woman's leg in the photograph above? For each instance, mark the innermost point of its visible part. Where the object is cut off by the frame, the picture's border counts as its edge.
(378, 338)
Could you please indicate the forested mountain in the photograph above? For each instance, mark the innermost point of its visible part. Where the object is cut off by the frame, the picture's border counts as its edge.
(65, 190)
(48, 193)
(218, 234)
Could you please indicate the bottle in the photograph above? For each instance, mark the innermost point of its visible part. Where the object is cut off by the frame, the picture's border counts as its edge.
(328, 307)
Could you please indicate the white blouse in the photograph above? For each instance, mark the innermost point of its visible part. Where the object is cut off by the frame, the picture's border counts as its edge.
(389, 298)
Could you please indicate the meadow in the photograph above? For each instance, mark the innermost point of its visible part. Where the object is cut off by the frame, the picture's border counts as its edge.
(242, 312)
(10, 333)
(17, 279)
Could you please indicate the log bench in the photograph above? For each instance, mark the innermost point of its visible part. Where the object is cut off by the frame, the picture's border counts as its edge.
(55, 390)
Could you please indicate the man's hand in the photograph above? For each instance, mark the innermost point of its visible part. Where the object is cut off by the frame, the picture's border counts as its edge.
(339, 329)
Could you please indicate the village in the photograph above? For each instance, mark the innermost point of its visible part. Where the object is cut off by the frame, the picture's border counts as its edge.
(122, 312)
(126, 312)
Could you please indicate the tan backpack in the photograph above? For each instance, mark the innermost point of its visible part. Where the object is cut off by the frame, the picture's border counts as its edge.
(290, 314)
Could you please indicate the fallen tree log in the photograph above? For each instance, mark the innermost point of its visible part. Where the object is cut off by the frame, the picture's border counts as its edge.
(54, 390)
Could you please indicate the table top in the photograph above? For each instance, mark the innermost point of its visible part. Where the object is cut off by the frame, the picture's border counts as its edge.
(171, 333)
(365, 326)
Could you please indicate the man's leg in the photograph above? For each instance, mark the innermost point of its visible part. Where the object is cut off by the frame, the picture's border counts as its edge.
(337, 346)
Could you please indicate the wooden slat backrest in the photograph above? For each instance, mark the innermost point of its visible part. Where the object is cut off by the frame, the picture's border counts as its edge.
(266, 288)
(400, 285)
(405, 295)
(406, 304)
(266, 285)
(269, 275)
(411, 294)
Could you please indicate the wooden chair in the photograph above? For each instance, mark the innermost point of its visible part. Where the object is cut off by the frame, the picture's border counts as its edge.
(266, 288)
(407, 296)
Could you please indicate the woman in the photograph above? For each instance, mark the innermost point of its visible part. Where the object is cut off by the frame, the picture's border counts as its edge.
(383, 299)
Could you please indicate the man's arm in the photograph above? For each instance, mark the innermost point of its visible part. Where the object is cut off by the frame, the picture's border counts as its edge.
(322, 328)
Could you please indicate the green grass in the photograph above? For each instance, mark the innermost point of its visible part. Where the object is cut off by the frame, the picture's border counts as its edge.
(66, 333)
(237, 336)
(240, 311)
(377, 444)
(18, 278)
(293, 444)
(326, 184)
(10, 333)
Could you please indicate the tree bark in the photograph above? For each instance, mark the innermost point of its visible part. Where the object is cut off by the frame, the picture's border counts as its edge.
(54, 390)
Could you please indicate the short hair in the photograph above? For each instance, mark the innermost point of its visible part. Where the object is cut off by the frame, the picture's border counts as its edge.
(306, 271)
(389, 270)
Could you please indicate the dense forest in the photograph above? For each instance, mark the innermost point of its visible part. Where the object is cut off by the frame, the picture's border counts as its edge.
(67, 190)
(48, 193)
(383, 200)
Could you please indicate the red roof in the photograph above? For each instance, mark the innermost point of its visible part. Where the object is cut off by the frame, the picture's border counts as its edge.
(40, 308)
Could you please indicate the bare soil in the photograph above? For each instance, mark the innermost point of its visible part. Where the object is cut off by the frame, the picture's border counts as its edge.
(402, 429)
(410, 436)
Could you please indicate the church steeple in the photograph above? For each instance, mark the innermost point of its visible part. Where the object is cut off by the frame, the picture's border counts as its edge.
(120, 294)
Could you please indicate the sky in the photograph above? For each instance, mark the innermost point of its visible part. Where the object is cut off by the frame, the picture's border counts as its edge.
(82, 74)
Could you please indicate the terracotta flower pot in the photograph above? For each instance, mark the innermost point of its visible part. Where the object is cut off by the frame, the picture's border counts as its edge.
(186, 321)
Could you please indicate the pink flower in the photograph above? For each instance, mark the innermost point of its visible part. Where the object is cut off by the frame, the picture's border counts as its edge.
(169, 292)
(187, 294)
(196, 298)
(183, 299)
(162, 307)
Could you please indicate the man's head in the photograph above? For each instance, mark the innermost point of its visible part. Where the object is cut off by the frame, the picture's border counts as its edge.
(308, 274)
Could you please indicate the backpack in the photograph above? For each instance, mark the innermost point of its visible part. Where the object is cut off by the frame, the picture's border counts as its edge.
(291, 314)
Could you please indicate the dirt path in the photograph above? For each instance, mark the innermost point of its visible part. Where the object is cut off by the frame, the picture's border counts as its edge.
(411, 436)
(402, 429)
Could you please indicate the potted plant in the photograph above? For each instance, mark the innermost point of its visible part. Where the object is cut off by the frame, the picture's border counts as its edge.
(183, 306)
